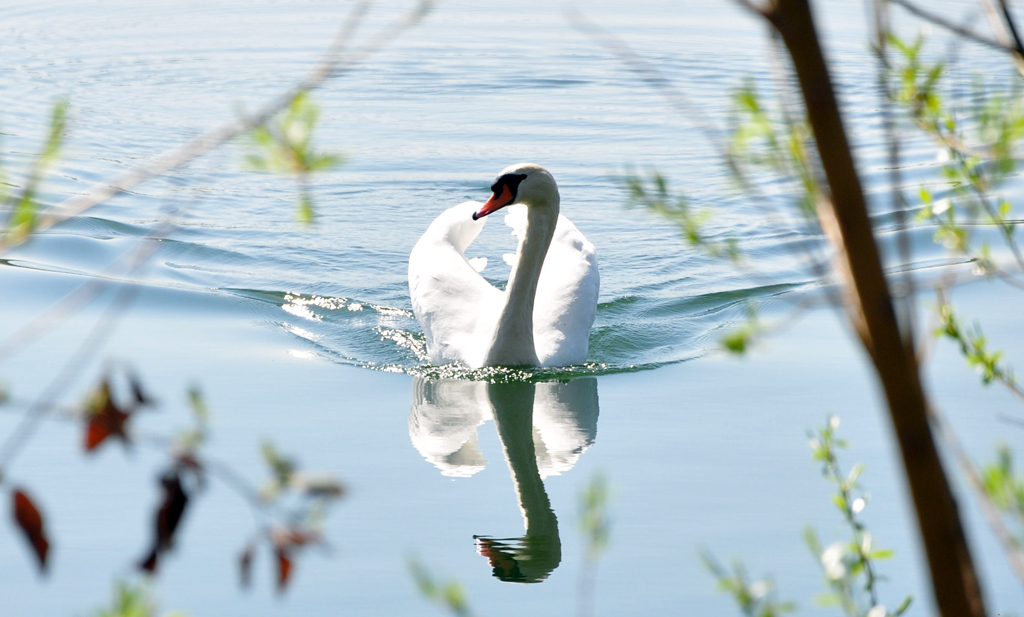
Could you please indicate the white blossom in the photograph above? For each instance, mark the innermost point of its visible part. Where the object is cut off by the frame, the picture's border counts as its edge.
(877, 610)
(832, 561)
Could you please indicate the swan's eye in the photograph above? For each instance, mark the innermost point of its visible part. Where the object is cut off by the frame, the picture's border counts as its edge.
(512, 181)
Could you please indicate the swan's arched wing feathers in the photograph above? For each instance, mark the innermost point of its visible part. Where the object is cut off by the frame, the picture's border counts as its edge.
(456, 307)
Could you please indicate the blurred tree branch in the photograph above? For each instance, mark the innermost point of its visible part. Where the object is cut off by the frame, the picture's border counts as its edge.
(336, 61)
(959, 30)
(845, 219)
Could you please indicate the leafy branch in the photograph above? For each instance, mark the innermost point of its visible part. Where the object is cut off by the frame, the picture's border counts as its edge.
(653, 194)
(449, 595)
(21, 206)
(972, 171)
(757, 140)
(595, 525)
(753, 598)
(974, 347)
(133, 600)
(283, 145)
(849, 567)
(289, 510)
(1005, 489)
(338, 59)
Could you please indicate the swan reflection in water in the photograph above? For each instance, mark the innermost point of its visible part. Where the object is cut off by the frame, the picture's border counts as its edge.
(544, 428)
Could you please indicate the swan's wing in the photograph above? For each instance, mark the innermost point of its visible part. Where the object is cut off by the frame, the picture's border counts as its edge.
(457, 308)
(564, 423)
(566, 301)
(443, 423)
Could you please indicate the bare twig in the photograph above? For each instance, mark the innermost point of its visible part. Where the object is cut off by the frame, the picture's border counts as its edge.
(953, 142)
(762, 10)
(816, 253)
(693, 113)
(653, 78)
(1010, 420)
(942, 22)
(57, 386)
(907, 306)
(64, 412)
(80, 296)
(334, 62)
(1001, 20)
(1004, 5)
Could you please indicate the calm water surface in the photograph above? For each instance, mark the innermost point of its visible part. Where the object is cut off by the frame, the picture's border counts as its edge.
(306, 335)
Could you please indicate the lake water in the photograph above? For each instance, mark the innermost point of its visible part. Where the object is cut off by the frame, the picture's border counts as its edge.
(305, 335)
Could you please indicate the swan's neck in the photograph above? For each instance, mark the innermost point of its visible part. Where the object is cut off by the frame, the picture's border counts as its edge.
(513, 338)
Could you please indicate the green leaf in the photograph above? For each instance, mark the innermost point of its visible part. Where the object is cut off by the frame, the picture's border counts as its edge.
(58, 124)
(283, 145)
(737, 341)
(926, 196)
(281, 467)
(198, 405)
(811, 539)
(855, 472)
(256, 162)
(904, 605)
(827, 600)
(323, 162)
(305, 213)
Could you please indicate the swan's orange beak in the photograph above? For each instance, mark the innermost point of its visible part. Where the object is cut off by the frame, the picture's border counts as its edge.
(495, 202)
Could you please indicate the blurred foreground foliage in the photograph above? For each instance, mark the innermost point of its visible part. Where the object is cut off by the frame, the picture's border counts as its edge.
(292, 505)
(284, 146)
(133, 600)
(448, 595)
(967, 203)
(22, 206)
(850, 566)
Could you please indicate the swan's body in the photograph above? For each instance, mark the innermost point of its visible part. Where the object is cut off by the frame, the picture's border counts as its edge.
(543, 317)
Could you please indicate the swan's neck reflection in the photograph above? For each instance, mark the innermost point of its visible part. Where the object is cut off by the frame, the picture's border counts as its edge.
(531, 558)
(543, 429)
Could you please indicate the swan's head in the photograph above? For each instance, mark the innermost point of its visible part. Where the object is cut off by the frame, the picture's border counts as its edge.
(522, 183)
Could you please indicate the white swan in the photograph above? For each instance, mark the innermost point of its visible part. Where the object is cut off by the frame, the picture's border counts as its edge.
(543, 317)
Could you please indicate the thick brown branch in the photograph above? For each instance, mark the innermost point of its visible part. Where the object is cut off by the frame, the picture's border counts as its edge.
(954, 582)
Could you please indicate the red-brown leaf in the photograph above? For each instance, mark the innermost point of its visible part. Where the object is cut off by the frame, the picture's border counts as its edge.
(284, 569)
(27, 515)
(104, 419)
(171, 510)
(149, 563)
(168, 518)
